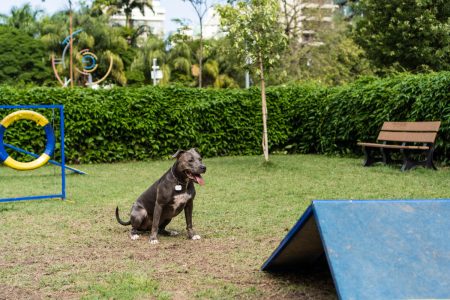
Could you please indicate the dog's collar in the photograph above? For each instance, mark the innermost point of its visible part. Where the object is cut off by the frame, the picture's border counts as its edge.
(179, 182)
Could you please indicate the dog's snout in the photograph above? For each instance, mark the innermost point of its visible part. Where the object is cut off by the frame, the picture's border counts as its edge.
(203, 168)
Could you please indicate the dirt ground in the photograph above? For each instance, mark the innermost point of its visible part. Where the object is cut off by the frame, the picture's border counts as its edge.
(211, 268)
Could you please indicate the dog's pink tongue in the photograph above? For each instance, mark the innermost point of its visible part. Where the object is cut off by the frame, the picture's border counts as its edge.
(200, 180)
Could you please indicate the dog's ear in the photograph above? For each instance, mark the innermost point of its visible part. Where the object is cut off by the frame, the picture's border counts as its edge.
(196, 150)
(179, 152)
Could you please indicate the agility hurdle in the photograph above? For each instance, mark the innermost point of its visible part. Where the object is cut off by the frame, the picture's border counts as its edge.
(374, 249)
(42, 159)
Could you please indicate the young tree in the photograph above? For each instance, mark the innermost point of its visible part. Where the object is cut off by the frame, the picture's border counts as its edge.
(256, 34)
(411, 34)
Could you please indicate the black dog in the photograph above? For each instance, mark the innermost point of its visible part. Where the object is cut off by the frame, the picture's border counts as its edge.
(167, 197)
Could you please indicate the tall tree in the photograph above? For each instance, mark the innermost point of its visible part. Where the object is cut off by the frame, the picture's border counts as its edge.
(411, 34)
(330, 57)
(201, 7)
(256, 34)
(291, 11)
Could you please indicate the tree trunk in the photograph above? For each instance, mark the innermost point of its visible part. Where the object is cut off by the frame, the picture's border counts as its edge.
(200, 60)
(128, 21)
(265, 142)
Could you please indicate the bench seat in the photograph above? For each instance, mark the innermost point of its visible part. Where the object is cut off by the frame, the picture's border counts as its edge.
(409, 138)
(388, 146)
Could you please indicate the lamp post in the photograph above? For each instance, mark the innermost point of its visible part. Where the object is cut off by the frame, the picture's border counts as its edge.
(248, 61)
(156, 73)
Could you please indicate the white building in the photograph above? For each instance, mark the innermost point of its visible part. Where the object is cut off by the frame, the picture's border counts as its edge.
(153, 19)
(306, 16)
(211, 26)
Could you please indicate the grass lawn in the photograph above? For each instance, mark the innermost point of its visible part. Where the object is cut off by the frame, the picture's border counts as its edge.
(76, 249)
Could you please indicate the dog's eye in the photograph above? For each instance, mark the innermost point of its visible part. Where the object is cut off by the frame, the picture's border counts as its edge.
(191, 160)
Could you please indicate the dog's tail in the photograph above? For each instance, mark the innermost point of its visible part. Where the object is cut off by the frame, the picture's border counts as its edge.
(119, 220)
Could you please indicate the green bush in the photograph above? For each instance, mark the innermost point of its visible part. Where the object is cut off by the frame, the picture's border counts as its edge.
(152, 122)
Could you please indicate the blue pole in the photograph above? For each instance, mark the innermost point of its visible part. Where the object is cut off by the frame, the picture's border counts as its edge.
(27, 198)
(63, 158)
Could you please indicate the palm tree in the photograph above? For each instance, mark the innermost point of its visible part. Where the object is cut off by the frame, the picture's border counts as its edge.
(112, 7)
(154, 48)
(24, 18)
(180, 61)
(214, 77)
(228, 71)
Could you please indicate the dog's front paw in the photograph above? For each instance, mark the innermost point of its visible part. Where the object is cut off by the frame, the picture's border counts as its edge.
(154, 242)
(196, 237)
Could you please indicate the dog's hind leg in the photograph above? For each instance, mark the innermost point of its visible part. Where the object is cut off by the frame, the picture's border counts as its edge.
(139, 221)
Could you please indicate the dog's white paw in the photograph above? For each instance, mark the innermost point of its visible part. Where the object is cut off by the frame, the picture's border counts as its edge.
(173, 233)
(154, 242)
(134, 236)
(196, 237)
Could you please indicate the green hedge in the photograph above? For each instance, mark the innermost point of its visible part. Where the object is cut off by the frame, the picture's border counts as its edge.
(141, 123)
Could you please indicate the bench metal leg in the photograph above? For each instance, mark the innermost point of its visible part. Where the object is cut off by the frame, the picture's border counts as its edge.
(386, 156)
(368, 157)
(408, 163)
(429, 162)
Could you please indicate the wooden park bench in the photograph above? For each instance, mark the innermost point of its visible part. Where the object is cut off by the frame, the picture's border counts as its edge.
(407, 137)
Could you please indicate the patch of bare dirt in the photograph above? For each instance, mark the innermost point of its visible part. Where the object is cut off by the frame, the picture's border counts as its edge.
(182, 267)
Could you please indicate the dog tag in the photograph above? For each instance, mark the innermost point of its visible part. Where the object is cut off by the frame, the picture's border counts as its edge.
(178, 187)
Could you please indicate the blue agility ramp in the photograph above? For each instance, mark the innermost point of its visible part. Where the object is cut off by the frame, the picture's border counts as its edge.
(376, 249)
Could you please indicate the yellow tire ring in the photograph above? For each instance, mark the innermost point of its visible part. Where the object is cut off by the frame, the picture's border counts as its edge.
(41, 121)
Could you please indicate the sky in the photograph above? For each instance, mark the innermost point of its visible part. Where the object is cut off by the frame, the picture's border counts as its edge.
(174, 9)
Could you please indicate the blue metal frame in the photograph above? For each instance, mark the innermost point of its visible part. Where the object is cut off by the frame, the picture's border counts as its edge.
(63, 158)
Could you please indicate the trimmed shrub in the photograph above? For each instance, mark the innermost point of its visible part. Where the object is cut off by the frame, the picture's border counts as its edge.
(124, 124)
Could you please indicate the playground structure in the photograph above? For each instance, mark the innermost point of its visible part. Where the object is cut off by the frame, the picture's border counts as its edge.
(49, 148)
(374, 249)
(24, 113)
(89, 61)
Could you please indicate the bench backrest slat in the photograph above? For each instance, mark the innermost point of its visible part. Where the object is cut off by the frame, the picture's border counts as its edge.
(432, 126)
(411, 137)
(412, 132)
